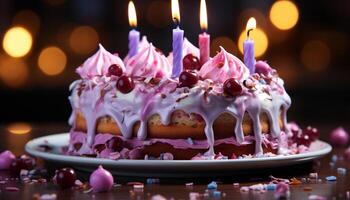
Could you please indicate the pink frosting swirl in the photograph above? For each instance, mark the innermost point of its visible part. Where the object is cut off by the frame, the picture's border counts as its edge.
(98, 64)
(224, 66)
(143, 44)
(187, 48)
(148, 63)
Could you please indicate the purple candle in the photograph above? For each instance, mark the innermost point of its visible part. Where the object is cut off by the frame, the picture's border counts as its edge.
(178, 36)
(248, 47)
(134, 36)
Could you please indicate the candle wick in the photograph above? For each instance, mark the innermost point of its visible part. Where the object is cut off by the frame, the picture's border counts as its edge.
(248, 32)
(176, 21)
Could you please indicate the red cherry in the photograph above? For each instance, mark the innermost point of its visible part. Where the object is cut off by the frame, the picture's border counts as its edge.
(188, 79)
(23, 162)
(115, 144)
(191, 62)
(125, 84)
(232, 87)
(115, 70)
(65, 178)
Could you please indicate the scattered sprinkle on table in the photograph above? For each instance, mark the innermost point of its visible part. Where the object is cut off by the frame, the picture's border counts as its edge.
(189, 184)
(331, 178)
(271, 186)
(12, 189)
(316, 197)
(217, 194)
(341, 170)
(212, 185)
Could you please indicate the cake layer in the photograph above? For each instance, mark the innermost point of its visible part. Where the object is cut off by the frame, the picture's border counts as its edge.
(180, 149)
(182, 126)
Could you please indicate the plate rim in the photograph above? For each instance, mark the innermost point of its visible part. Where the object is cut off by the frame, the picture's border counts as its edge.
(93, 161)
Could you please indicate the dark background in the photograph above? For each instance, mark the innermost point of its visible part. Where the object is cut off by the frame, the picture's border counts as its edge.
(321, 37)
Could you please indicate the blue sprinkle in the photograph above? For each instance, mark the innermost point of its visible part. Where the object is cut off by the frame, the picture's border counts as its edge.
(334, 158)
(217, 194)
(341, 170)
(190, 141)
(331, 178)
(152, 180)
(271, 186)
(212, 185)
(262, 81)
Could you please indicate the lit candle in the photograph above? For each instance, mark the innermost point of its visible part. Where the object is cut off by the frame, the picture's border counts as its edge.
(204, 38)
(134, 36)
(248, 46)
(178, 36)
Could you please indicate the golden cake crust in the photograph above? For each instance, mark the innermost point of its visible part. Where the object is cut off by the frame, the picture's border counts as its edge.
(182, 126)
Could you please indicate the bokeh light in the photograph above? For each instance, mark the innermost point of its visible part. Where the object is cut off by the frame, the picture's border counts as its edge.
(155, 16)
(225, 42)
(19, 128)
(251, 12)
(13, 72)
(83, 40)
(315, 55)
(27, 19)
(284, 14)
(260, 41)
(52, 61)
(17, 41)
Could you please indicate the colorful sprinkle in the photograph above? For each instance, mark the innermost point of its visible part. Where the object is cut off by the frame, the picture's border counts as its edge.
(331, 178)
(341, 170)
(152, 181)
(217, 194)
(212, 185)
(313, 175)
(271, 186)
(317, 197)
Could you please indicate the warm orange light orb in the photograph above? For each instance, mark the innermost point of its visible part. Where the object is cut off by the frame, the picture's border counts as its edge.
(17, 42)
(315, 55)
(13, 72)
(227, 43)
(284, 14)
(19, 128)
(83, 40)
(260, 41)
(52, 61)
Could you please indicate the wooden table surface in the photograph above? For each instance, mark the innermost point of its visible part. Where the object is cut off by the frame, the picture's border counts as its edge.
(175, 188)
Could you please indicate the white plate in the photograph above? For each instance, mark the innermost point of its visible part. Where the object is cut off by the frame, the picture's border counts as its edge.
(169, 168)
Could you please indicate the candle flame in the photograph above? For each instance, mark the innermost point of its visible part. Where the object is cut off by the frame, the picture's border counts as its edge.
(175, 10)
(132, 14)
(251, 24)
(203, 15)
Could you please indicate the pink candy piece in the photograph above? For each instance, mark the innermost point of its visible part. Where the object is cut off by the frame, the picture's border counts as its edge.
(282, 190)
(261, 67)
(6, 158)
(101, 180)
(339, 137)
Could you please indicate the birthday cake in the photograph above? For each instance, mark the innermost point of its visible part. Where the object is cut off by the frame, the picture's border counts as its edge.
(135, 109)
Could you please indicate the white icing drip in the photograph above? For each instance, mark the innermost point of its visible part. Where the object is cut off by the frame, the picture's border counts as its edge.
(145, 101)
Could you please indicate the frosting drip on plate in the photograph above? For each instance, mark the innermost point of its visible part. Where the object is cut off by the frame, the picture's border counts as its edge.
(224, 66)
(98, 64)
(148, 63)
